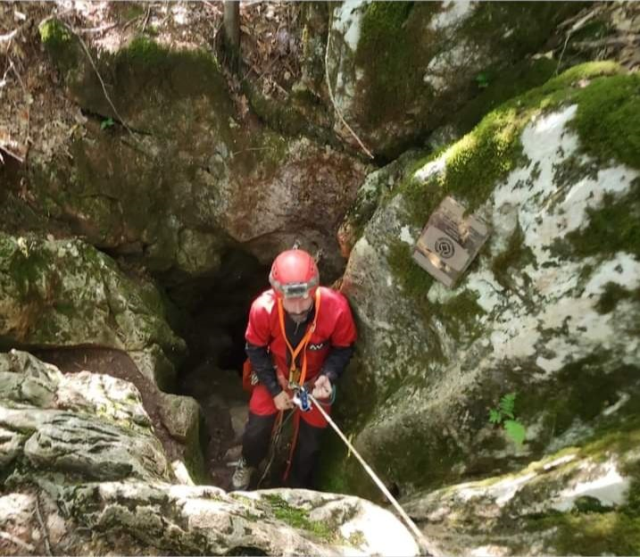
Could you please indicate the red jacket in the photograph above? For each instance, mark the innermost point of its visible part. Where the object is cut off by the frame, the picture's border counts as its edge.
(334, 327)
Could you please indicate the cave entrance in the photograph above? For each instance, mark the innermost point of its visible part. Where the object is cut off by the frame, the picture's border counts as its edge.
(213, 372)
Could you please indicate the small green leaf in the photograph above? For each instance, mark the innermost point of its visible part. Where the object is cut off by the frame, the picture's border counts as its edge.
(495, 417)
(106, 123)
(507, 404)
(515, 431)
(482, 80)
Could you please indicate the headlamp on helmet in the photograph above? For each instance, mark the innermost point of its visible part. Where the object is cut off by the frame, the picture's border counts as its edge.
(294, 274)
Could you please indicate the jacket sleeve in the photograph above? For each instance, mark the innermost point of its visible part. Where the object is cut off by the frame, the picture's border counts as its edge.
(336, 362)
(263, 367)
(343, 338)
(258, 336)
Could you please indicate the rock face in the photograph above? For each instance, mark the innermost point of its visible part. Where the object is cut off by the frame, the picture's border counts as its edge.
(172, 175)
(398, 70)
(579, 501)
(90, 425)
(549, 310)
(64, 292)
(79, 449)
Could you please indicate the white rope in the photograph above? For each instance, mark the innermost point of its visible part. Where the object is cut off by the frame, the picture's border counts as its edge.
(414, 529)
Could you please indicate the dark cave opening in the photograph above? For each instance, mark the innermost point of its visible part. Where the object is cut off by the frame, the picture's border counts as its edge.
(218, 318)
(212, 372)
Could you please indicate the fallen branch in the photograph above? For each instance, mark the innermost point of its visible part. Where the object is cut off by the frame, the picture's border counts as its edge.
(611, 41)
(333, 102)
(578, 17)
(132, 20)
(95, 30)
(17, 541)
(146, 19)
(43, 527)
(575, 27)
(95, 69)
(9, 36)
(12, 155)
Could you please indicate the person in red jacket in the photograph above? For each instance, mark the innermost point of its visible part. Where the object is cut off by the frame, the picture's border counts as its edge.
(299, 333)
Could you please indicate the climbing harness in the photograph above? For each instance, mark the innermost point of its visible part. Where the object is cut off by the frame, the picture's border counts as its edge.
(297, 376)
(422, 542)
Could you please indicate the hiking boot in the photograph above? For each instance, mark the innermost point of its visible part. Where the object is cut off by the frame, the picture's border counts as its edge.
(242, 476)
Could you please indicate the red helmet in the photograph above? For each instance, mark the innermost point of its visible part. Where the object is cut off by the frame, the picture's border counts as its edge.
(294, 274)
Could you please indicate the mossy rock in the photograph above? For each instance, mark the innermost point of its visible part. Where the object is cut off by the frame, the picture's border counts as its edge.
(548, 309)
(401, 69)
(63, 293)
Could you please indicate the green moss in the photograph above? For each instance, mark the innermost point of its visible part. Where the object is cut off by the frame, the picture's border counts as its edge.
(485, 156)
(580, 392)
(587, 504)
(614, 226)
(194, 459)
(54, 34)
(59, 43)
(591, 528)
(613, 294)
(188, 73)
(389, 50)
(608, 119)
(516, 254)
(503, 84)
(460, 315)
(299, 518)
(611, 533)
(300, 115)
(397, 43)
(414, 280)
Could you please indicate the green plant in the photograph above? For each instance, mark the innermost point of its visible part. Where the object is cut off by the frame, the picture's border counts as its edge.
(505, 414)
(107, 123)
(482, 79)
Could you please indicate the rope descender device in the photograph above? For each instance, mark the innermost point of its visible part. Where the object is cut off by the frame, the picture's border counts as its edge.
(301, 399)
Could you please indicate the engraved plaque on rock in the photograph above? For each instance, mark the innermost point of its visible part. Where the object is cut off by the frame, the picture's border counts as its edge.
(449, 242)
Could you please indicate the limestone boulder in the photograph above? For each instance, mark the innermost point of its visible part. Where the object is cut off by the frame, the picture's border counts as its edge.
(400, 70)
(580, 501)
(548, 311)
(82, 424)
(58, 293)
(83, 472)
(172, 175)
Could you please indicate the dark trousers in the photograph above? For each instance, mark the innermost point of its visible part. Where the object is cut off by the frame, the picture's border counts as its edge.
(255, 445)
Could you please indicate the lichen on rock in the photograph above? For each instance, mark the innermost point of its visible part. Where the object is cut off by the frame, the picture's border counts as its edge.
(528, 316)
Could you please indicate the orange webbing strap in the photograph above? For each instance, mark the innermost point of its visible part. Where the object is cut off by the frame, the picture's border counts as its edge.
(303, 343)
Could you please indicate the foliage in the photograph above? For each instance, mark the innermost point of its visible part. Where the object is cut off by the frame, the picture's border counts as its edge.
(482, 79)
(505, 414)
(107, 123)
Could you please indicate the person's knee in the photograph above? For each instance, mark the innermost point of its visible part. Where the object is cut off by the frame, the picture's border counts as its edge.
(310, 438)
(259, 426)
(256, 437)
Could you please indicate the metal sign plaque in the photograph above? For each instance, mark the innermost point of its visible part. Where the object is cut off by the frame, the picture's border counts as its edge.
(449, 242)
